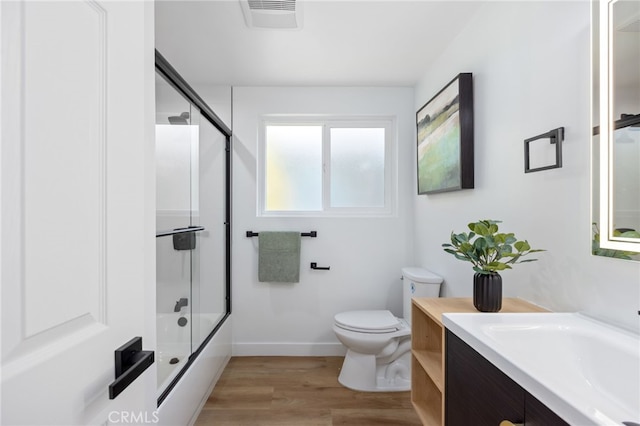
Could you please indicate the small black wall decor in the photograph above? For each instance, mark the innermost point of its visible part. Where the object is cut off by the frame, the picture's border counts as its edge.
(445, 138)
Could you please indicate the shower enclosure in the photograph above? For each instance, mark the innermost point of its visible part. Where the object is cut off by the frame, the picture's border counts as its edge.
(192, 225)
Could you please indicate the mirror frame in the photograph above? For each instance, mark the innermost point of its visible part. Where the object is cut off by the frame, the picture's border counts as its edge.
(607, 238)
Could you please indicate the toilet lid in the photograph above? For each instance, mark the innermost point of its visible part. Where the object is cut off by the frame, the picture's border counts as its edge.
(371, 321)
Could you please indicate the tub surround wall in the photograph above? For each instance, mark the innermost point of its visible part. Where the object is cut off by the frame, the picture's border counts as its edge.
(531, 66)
(365, 254)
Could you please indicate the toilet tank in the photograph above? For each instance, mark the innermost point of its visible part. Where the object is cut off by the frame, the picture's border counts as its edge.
(418, 282)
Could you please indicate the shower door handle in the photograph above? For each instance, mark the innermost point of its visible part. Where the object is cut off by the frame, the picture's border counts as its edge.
(131, 361)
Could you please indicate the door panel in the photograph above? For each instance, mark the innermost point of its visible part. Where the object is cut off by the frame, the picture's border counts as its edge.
(77, 221)
(60, 146)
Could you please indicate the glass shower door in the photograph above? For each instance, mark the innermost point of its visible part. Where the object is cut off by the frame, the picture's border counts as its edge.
(191, 232)
(209, 269)
(175, 132)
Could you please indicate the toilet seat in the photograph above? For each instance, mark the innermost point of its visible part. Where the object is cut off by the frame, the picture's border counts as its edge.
(368, 321)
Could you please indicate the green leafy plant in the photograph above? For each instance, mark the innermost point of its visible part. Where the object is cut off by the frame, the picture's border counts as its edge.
(486, 248)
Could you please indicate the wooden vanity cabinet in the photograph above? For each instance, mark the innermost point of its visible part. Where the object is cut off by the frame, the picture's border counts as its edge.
(478, 393)
(428, 350)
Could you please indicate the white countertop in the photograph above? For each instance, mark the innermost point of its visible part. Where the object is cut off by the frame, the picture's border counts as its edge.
(586, 371)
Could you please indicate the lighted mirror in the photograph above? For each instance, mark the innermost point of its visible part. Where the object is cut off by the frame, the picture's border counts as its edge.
(616, 153)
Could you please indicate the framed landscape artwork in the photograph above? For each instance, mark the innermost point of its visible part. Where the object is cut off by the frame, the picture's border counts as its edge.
(445, 138)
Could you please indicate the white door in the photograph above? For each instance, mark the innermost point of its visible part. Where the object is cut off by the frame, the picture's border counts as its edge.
(77, 217)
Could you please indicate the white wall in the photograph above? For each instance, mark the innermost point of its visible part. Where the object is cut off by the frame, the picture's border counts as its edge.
(365, 254)
(531, 67)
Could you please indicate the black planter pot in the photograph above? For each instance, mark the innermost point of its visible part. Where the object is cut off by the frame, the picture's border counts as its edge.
(487, 292)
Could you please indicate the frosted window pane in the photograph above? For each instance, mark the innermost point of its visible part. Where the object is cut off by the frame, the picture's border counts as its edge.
(357, 167)
(293, 168)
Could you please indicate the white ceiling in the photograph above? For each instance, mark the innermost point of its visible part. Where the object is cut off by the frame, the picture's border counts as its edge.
(342, 43)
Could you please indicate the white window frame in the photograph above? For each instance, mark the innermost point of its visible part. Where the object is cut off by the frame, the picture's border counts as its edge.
(328, 122)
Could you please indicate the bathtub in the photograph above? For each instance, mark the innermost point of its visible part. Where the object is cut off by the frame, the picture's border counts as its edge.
(175, 342)
(183, 402)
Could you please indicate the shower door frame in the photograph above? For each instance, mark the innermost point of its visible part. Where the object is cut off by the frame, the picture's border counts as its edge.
(164, 68)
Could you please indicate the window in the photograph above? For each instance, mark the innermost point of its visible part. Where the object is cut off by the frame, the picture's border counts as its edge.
(327, 167)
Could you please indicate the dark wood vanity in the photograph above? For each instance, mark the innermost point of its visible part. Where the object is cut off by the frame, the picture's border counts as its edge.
(478, 393)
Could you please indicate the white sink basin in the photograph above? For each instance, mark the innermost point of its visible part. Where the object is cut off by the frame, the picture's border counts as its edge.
(587, 371)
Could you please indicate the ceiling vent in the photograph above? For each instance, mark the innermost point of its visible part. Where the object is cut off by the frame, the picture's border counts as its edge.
(283, 14)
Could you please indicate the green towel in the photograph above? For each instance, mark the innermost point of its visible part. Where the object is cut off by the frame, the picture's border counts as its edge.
(279, 257)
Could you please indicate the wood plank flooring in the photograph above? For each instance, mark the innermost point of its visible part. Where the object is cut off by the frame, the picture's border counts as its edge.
(298, 391)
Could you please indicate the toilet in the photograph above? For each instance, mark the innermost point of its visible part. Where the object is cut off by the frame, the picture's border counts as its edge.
(378, 343)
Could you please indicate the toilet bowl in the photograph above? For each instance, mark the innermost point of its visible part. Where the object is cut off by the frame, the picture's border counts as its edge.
(372, 339)
(378, 344)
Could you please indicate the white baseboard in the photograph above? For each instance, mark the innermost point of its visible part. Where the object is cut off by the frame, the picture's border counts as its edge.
(288, 349)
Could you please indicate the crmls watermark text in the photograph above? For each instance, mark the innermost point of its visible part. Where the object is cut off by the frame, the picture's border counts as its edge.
(133, 418)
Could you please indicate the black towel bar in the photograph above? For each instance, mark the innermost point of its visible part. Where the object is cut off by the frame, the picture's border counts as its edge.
(311, 234)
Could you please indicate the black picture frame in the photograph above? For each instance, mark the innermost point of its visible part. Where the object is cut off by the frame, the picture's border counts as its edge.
(444, 133)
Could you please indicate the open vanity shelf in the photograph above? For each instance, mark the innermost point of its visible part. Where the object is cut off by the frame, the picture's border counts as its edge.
(428, 350)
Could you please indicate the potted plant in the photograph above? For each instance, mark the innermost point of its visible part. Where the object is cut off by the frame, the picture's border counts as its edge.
(489, 251)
